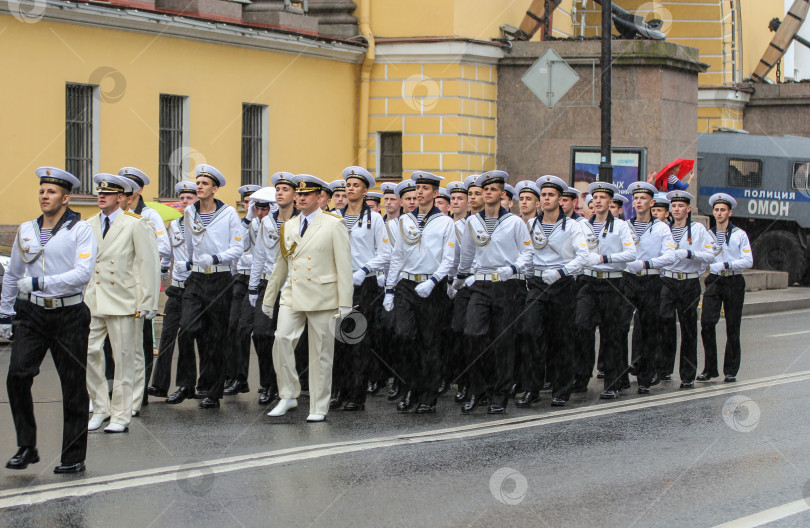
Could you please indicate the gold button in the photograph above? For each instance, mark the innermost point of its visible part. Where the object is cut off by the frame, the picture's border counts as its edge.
(294, 279)
(309, 268)
(309, 278)
(97, 271)
(295, 258)
(309, 258)
(112, 283)
(112, 273)
(97, 282)
(97, 261)
(112, 262)
(295, 269)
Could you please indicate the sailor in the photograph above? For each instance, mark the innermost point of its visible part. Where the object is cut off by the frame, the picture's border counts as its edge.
(508, 199)
(582, 339)
(490, 249)
(455, 350)
(569, 201)
(339, 200)
(660, 208)
(617, 206)
(52, 260)
(725, 288)
(680, 290)
(374, 201)
(611, 246)
(161, 378)
(442, 201)
(325, 198)
(528, 200)
(655, 249)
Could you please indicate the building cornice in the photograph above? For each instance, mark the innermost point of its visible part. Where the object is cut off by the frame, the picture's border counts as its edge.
(390, 51)
(723, 97)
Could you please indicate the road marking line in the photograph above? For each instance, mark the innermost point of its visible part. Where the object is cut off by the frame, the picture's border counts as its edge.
(769, 516)
(790, 334)
(85, 487)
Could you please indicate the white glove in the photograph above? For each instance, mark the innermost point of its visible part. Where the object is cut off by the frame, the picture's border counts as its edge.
(716, 267)
(594, 259)
(252, 298)
(550, 276)
(469, 281)
(505, 272)
(204, 261)
(180, 267)
(458, 284)
(5, 327)
(681, 254)
(251, 211)
(26, 285)
(358, 277)
(150, 314)
(381, 281)
(388, 302)
(165, 276)
(423, 289)
(635, 266)
(344, 311)
(451, 292)
(267, 310)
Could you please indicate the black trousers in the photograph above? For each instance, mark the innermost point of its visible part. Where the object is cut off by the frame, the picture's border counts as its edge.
(596, 306)
(460, 349)
(644, 294)
(63, 331)
(728, 292)
(550, 308)
(206, 307)
(240, 327)
(680, 298)
(386, 357)
(161, 377)
(353, 345)
(264, 335)
(492, 319)
(584, 345)
(421, 340)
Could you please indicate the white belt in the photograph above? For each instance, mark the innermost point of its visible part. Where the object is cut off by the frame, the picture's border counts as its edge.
(415, 278)
(244, 272)
(379, 273)
(602, 274)
(178, 284)
(679, 276)
(727, 273)
(213, 269)
(51, 303)
(495, 277)
(643, 272)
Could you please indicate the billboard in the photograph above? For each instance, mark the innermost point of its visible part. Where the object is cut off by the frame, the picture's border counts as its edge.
(629, 165)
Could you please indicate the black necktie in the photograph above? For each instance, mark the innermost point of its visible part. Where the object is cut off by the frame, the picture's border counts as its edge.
(304, 227)
(106, 226)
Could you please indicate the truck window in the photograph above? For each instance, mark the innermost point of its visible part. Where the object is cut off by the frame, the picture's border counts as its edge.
(745, 173)
(800, 176)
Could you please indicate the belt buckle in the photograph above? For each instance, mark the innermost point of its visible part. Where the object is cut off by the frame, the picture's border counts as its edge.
(207, 270)
(496, 277)
(724, 273)
(420, 278)
(48, 303)
(600, 274)
(681, 276)
(640, 273)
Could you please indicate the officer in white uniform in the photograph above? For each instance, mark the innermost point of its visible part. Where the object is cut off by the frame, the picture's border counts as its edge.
(725, 288)
(52, 260)
(421, 260)
(680, 292)
(457, 349)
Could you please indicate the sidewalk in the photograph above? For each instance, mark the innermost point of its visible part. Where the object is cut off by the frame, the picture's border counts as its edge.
(771, 301)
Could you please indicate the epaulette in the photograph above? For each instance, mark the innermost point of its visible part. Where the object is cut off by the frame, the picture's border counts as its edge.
(332, 214)
(130, 213)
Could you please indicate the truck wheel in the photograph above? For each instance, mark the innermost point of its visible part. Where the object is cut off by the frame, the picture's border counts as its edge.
(780, 251)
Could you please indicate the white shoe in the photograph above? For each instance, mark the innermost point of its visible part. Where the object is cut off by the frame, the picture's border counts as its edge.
(116, 428)
(283, 406)
(96, 421)
(91, 407)
(315, 418)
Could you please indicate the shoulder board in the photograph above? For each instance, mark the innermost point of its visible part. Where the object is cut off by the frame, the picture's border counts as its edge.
(332, 214)
(130, 213)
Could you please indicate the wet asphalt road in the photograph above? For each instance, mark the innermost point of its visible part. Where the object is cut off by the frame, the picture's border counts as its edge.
(685, 459)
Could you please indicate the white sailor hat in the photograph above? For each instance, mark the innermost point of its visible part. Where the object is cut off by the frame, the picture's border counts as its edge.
(642, 187)
(426, 178)
(112, 183)
(572, 192)
(527, 186)
(247, 190)
(338, 185)
(722, 198)
(286, 178)
(185, 186)
(374, 195)
(510, 191)
(661, 200)
(444, 193)
(58, 177)
(388, 187)
(307, 183)
(360, 173)
(493, 176)
(404, 186)
(555, 182)
(588, 199)
(470, 181)
(679, 196)
(620, 198)
(264, 195)
(210, 172)
(136, 175)
(600, 186)
(457, 187)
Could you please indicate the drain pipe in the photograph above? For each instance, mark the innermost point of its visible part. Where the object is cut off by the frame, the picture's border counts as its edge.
(365, 80)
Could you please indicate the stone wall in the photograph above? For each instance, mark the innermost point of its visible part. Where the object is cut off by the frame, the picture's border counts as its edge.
(779, 109)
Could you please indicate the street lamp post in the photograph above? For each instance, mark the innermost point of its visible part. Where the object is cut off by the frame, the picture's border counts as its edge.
(605, 165)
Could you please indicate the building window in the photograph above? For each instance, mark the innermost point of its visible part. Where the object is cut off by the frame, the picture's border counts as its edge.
(254, 144)
(173, 151)
(81, 136)
(801, 176)
(745, 173)
(390, 148)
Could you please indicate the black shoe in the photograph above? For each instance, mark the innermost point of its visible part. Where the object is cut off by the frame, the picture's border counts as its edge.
(643, 390)
(354, 406)
(24, 456)
(237, 387)
(600, 374)
(513, 390)
(470, 405)
(730, 379)
(484, 399)
(461, 394)
(407, 402)
(201, 394)
(156, 391)
(230, 388)
(655, 380)
(624, 384)
(632, 370)
(78, 467)
(267, 396)
(425, 408)
(666, 377)
(687, 384)
(180, 394)
(373, 387)
(546, 386)
(558, 402)
(705, 376)
(395, 392)
(527, 399)
(609, 395)
(496, 408)
(443, 388)
(336, 402)
(208, 403)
